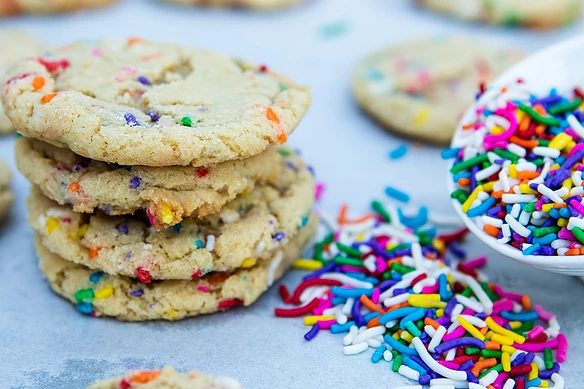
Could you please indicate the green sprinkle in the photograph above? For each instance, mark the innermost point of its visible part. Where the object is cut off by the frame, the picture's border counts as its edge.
(386, 276)
(498, 368)
(578, 233)
(378, 207)
(412, 329)
(548, 358)
(339, 260)
(82, 295)
(472, 351)
(506, 154)
(543, 142)
(492, 295)
(467, 292)
(539, 232)
(547, 120)
(529, 207)
(538, 162)
(561, 108)
(457, 193)
(401, 268)
(284, 152)
(464, 165)
(350, 251)
(328, 239)
(397, 362)
(318, 253)
(491, 354)
(525, 327)
(186, 121)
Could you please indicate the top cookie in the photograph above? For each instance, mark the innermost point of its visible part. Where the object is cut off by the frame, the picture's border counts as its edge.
(14, 45)
(141, 103)
(265, 5)
(167, 378)
(13, 7)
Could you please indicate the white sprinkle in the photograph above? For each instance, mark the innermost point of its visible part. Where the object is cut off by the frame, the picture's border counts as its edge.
(435, 366)
(504, 240)
(577, 178)
(524, 218)
(558, 243)
(515, 210)
(368, 334)
(147, 246)
(59, 213)
(539, 362)
(425, 282)
(445, 381)
(504, 180)
(517, 227)
(210, 242)
(516, 149)
(544, 190)
(341, 318)
(388, 356)
(455, 312)
(437, 338)
(575, 222)
(542, 175)
(578, 190)
(562, 250)
(487, 172)
(430, 331)
(576, 126)
(348, 305)
(450, 355)
(472, 385)
(526, 167)
(562, 192)
(558, 381)
(476, 288)
(260, 247)
(347, 280)
(506, 230)
(399, 299)
(482, 196)
(356, 349)
(546, 152)
(348, 339)
(489, 378)
(226, 383)
(518, 198)
(475, 321)
(470, 303)
(409, 372)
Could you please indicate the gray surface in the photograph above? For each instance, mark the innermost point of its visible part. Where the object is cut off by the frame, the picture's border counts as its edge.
(44, 343)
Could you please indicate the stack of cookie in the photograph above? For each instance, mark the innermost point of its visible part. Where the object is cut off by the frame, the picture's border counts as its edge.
(161, 188)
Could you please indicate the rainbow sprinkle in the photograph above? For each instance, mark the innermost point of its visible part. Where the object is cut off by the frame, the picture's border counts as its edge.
(518, 170)
(389, 288)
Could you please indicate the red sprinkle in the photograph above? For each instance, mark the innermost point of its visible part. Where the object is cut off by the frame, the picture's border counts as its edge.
(125, 384)
(520, 370)
(418, 279)
(143, 275)
(284, 293)
(197, 274)
(456, 235)
(226, 304)
(19, 77)
(202, 172)
(312, 282)
(54, 66)
(296, 312)
(263, 68)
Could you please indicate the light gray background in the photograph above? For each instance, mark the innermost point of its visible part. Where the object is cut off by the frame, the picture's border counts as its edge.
(45, 343)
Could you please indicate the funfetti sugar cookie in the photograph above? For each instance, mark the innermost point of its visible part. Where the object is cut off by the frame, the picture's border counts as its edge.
(14, 45)
(135, 102)
(168, 194)
(538, 14)
(98, 294)
(6, 195)
(167, 378)
(265, 5)
(421, 88)
(249, 229)
(14, 7)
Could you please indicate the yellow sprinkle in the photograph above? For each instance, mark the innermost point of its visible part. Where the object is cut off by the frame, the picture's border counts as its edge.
(534, 373)
(513, 171)
(470, 328)
(105, 292)
(503, 340)
(515, 325)
(547, 207)
(390, 246)
(311, 320)
(496, 130)
(171, 314)
(249, 262)
(567, 183)
(560, 141)
(473, 196)
(80, 233)
(555, 167)
(439, 312)
(524, 188)
(508, 349)
(307, 264)
(506, 362)
(395, 336)
(359, 237)
(489, 186)
(489, 335)
(507, 337)
(450, 280)
(438, 244)
(422, 117)
(519, 115)
(426, 301)
(405, 335)
(52, 224)
(544, 384)
(562, 222)
(166, 213)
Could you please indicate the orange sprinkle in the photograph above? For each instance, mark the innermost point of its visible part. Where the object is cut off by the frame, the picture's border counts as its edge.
(46, 98)
(484, 330)
(492, 345)
(528, 144)
(484, 364)
(504, 89)
(93, 252)
(526, 302)
(490, 387)
(432, 323)
(38, 82)
(527, 175)
(464, 181)
(498, 194)
(469, 126)
(370, 305)
(397, 306)
(150, 57)
(540, 129)
(271, 115)
(573, 252)
(491, 230)
(342, 219)
(282, 137)
(361, 219)
(524, 125)
(373, 322)
(134, 40)
(540, 109)
(73, 187)
(144, 377)
(397, 260)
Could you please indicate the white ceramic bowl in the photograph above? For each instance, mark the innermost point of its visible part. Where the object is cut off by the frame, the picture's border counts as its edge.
(557, 66)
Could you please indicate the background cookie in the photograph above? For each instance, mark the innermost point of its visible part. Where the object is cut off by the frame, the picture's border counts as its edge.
(169, 193)
(14, 45)
(128, 299)
(142, 103)
(540, 13)
(253, 4)
(421, 88)
(248, 230)
(167, 378)
(6, 195)
(12, 7)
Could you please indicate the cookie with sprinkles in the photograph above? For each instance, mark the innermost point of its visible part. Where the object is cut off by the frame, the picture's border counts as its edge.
(169, 194)
(249, 229)
(264, 5)
(14, 45)
(536, 14)
(99, 294)
(167, 378)
(6, 195)
(421, 88)
(136, 102)
(14, 7)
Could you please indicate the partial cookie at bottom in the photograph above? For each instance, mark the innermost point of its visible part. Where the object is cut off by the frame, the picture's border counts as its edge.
(167, 378)
(98, 294)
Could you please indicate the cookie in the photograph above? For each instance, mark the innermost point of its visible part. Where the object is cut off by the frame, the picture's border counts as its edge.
(247, 230)
(6, 195)
(141, 103)
(14, 7)
(167, 378)
(420, 89)
(538, 14)
(14, 45)
(100, 294)
(168, 193)
(251, 4)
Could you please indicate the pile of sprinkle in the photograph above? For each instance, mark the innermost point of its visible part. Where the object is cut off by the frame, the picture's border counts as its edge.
(389, 287)
(518, 169)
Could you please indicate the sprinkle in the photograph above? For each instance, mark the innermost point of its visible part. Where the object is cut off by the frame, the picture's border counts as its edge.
(153, 115)
(186, 121)
(131, 120)
(38, 82)
(135, 182)
(47, 98)
(210, 243)
(280, 235)
(399, 152)
(143, 80)
(248, 262)
(397, 194)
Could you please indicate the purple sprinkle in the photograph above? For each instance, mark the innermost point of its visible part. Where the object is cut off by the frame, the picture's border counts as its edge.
(131, 120)
(143, 80)
(135, 182)
(471, 377)
(153, 115)
(291, 166)
(312, 333)
(202, 108)
(122, 229)
(278, 236)
(466, 365)
(81, 165)
(137, 293)
(129, 254)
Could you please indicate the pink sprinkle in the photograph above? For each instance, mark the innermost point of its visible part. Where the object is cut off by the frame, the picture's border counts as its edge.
(502, 305)
(502, 377)
(375, 295)
(574, 136)
(469, 312)
(204, 289)
(319, 190)
(150, 217)
(450, 365)
(352, 269)
(476, 263)
(577, 205)
(499, 320)
(97, 52)
(382, 241)
(566, 234)
(326, 324)
(512, 296)
(534, 333)
(562, 347)
(537, 347)
(510, 116)
(457, 333)
(381, 265)
(543, 314)
(322, 306)
(539, 204)
(574, 245)
(580, 167)
(431, 289)
(576, 148)
(129, 70)
(336, 236)
(67, 220)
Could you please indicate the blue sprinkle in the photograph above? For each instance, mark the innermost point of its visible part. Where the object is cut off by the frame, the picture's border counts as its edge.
(378, 354)
(398, 152)
(135, 182)
(131, 120)
(355, 292)
(153, 116)
(122, 229)
(397, 194)
(137, 293)
(199, 243)
(95, 277)
(143, 80)
(312, 332)
(481, 208)
(304, 221)
(414, 222)
(522, 316)
(85, 308)
(177, 227)
(339, 328)
(278, 236)
(334, 30)
(449, 153)
(532, 249)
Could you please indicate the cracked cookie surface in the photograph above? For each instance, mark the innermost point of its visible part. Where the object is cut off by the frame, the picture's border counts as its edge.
(136, 102)
(247, 230)
(99, 294)
(169, 194)
(167, 378)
